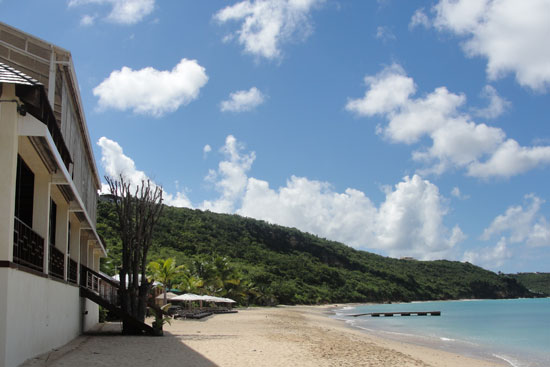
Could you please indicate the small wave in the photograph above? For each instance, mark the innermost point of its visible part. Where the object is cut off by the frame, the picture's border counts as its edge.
(447, 339)
(508, 360)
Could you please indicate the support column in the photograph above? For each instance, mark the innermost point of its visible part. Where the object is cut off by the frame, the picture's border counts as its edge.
(62, 233)
(8, 167)
(41, 212)
(75, 246)
(90, 254)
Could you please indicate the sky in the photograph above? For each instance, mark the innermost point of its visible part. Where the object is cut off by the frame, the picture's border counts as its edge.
(403, 128)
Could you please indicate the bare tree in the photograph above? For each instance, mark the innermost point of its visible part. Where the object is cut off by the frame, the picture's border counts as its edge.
(138, 211)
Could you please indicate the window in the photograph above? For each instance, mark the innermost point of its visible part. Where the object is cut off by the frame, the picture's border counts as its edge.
(24, 192)
(53, 221)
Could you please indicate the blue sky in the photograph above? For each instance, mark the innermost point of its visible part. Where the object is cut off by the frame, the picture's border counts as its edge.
(405, 128)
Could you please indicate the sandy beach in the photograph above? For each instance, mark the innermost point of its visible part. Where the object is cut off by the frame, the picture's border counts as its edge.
(281, 336)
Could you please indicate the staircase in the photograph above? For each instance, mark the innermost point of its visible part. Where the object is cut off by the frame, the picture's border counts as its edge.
(103, 291)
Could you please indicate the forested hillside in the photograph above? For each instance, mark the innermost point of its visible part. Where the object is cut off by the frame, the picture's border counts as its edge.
(535, 282)
(285, 265)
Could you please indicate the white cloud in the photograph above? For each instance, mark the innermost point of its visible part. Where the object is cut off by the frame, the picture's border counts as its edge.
(87, 20)
(150, 91)
(267, 24)
(408, 223)
(457, 141)
(521, 224)
(458, 194)
(489, 257)
(497, 105)
(207, 149)
(419, 18)
(231, 175)
(116, 163)
(387, 90)
(510, 159)
(385, 34)
(123, 11)
(243, 100)
(511, 34)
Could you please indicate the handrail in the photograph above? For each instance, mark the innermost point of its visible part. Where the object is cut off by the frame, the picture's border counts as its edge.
(28, 246)
(106, 288)
(57, 262)
(72, 271)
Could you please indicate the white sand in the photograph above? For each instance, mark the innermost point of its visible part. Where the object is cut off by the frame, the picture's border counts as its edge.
(281, 336)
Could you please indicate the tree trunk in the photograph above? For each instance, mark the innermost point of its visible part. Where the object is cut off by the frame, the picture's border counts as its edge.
(137, 215)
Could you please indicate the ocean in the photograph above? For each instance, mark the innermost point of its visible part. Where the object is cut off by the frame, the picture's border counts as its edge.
(516, 331)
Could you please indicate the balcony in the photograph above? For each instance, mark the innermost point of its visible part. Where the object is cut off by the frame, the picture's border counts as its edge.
(57, 263)
(28, 247)
(72, 272)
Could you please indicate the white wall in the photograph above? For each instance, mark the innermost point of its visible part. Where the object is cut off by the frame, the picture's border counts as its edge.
(3, 313)
(43, 314)
(91, 318)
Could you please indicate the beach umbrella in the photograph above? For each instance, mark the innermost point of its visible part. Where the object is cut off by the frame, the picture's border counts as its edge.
(189, 297)
(169, 296)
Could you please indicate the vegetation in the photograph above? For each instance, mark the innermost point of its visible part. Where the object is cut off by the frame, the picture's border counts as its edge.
(535, 282)
(258, 263)
(164, 272)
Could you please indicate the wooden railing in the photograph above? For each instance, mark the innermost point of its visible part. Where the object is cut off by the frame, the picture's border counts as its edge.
(28, 247)
(57, 263)
(106, 288)
(72, 271)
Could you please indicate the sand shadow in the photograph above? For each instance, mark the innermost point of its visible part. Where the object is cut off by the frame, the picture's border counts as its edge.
(107, 347)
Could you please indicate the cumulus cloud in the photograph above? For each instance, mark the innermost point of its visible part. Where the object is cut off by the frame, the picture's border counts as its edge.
(116, 163)
(489, 257)
(419, 18)
(122, 11)
(512, 35)
(150, 91)
(457, 141)
(497, 105)
(243, 100)
(408, 223)
(521, 224)
(267, 24)
(231, 177)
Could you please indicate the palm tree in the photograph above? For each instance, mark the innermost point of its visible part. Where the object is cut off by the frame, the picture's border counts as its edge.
(164, 271)
(190, 284)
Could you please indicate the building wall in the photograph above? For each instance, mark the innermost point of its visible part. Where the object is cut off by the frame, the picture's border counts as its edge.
(43, 314)
(52, 66)
(39, 313)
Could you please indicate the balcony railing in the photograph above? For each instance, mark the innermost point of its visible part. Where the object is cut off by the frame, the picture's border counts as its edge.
(57, 263)
(28, 247)
(72, 272)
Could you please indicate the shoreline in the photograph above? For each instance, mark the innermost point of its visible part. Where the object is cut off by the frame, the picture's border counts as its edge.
(278, 336)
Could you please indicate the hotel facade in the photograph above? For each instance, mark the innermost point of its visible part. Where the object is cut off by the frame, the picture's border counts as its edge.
(49, 247)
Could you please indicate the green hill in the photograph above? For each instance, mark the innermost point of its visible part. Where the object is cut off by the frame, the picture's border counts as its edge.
(535, 282)
(294, 267)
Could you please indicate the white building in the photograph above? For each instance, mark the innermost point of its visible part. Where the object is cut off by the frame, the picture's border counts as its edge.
(48, 198)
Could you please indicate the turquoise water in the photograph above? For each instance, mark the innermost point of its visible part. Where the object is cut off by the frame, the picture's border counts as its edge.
(516, 331)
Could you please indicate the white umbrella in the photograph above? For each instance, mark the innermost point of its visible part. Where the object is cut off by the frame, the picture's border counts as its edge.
(169, 295)
(188, 297)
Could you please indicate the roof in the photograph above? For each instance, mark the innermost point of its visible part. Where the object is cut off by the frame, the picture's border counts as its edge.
(13, 76)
